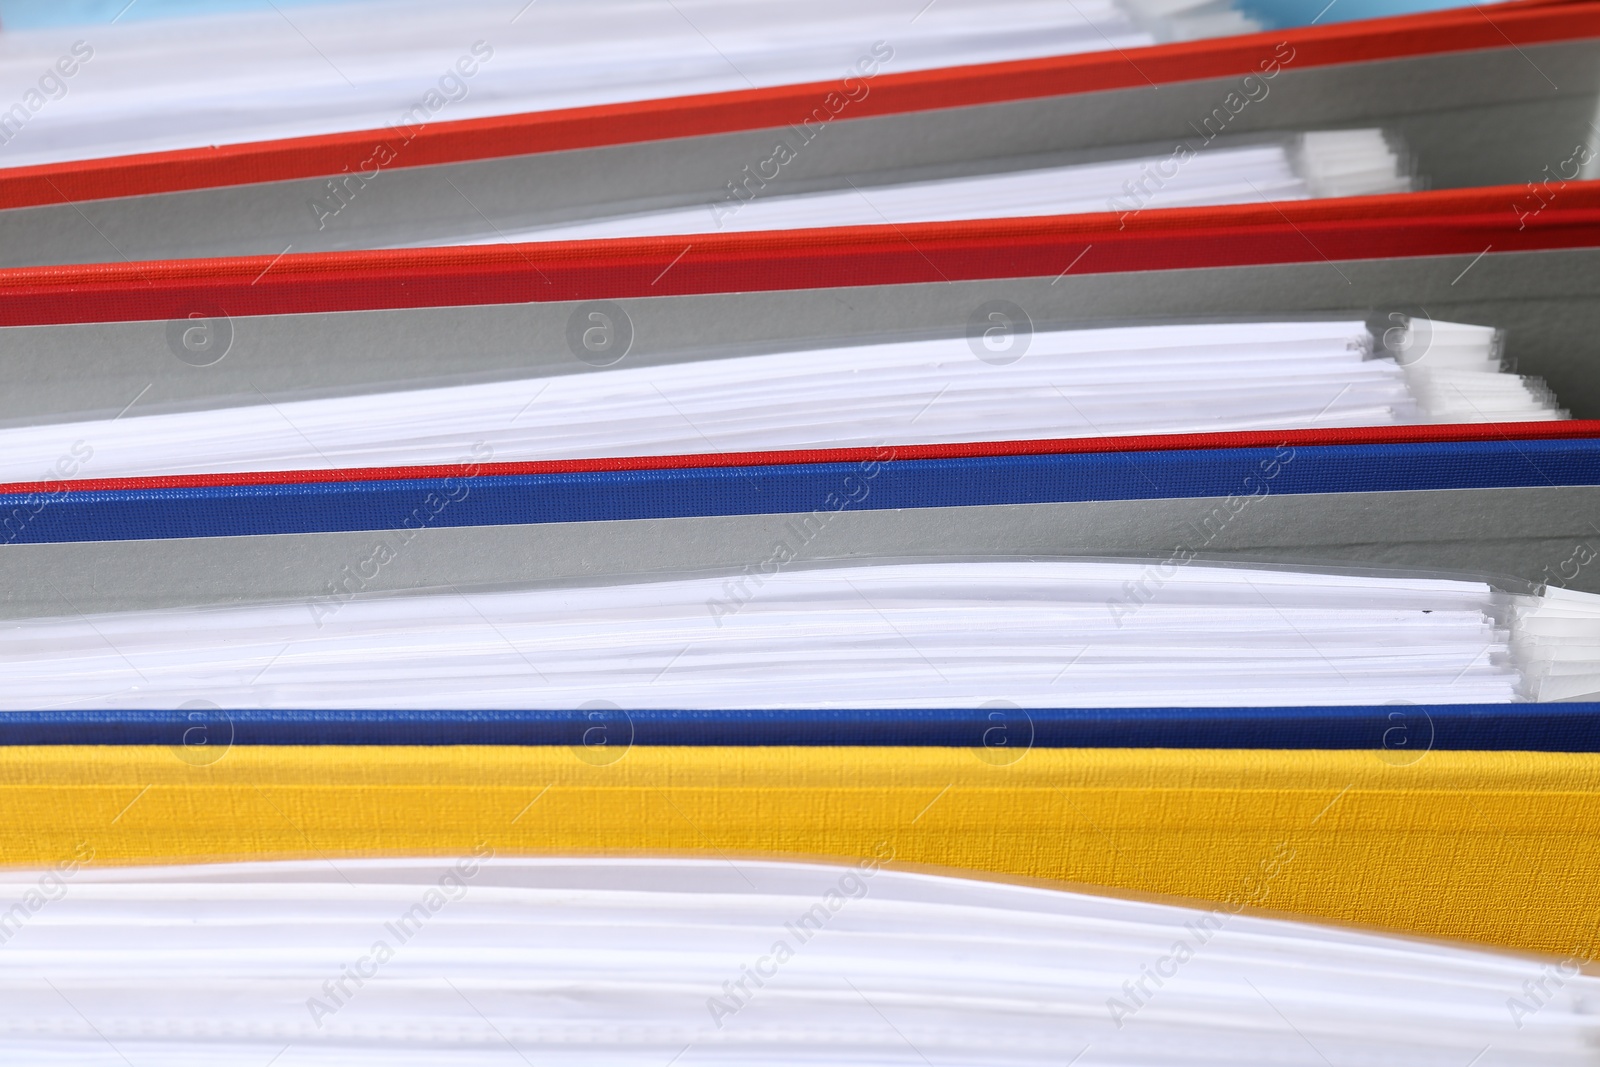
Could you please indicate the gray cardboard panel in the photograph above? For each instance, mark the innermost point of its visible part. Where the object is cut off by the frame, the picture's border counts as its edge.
(1515, 535)
(1497, 116)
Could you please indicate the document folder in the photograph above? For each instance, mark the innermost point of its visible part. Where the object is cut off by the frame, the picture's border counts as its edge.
(1499, 96)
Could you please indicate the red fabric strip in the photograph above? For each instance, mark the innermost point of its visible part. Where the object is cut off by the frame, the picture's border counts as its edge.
(1493, 27)
(1447, 222)
(1360, 435)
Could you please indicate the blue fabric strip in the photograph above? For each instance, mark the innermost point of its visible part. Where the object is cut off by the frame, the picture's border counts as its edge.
(1400, 733)
(819, 487)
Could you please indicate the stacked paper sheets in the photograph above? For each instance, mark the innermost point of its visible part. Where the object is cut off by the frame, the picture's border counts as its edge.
(945, 634)
(1319, 164)
(1004, 382)
(480, 960)
(255, 76)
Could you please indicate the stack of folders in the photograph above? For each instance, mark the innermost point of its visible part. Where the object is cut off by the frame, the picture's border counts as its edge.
(742, 532)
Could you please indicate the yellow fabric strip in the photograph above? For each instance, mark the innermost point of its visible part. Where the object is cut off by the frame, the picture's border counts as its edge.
(1496, 847)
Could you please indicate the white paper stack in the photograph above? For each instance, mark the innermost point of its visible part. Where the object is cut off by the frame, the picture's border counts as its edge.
(1193, 378)
(644, 963)
(945, 634)
(1314, 165)
(1456, 376)
(298, 71)
(1552, 637)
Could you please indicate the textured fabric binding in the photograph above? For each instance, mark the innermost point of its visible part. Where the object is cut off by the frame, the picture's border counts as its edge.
(467, 499)
(1494, 847)
(1398, 730)
(1437, 223)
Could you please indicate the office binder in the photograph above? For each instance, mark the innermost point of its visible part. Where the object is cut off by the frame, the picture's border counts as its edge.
(1122, 381)
(1498, 97)
(85, 346)
(1492, 851)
